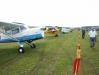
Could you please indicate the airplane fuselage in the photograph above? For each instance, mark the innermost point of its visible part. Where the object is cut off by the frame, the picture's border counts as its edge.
(28, 34)
(18, 32)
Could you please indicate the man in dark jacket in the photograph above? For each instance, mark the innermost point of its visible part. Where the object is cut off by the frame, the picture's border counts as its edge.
(83, 33)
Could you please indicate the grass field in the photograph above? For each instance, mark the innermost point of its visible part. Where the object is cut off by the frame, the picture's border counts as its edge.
(52, 56)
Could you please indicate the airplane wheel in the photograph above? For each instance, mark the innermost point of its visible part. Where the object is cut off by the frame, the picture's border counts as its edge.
(56, 35)
(63, 32)
(33, 46)
(21, 50)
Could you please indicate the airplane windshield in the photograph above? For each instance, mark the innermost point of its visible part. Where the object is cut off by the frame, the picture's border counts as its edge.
(22, 28)
(15, 31)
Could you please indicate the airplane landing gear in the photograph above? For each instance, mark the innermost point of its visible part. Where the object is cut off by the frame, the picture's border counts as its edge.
(33, 45)
(21, 50)
(56, 35)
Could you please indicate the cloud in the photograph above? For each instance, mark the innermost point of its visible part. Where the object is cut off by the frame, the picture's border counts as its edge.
(71, 13)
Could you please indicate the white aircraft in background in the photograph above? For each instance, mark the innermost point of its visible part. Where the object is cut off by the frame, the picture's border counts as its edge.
(64, 30)
(19, 32)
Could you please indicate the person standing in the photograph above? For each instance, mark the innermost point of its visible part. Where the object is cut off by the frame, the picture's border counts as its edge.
(96, 35)
(83, 33)
(92, 34)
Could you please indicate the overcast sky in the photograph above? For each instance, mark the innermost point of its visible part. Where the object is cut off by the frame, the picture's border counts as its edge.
(69, 13)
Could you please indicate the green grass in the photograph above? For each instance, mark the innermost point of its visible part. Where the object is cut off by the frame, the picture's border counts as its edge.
(52, 56)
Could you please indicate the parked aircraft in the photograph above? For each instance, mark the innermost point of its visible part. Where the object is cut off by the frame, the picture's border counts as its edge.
(66, 29)
(51, 30)
(19, 32)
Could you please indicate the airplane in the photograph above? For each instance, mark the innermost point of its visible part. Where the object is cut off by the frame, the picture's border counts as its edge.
(51, 30)
(65, 29)
(19, 32)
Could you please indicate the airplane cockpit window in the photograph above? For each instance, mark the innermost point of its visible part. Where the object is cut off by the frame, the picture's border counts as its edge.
(22, 28)
(2, 29)
(15, 31)
(8, 32)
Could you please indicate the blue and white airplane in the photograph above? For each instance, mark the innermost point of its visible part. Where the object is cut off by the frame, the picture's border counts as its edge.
(19, 32)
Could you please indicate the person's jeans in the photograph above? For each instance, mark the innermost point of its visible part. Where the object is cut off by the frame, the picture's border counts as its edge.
(92, 42)
(83, 35)
(95, 39)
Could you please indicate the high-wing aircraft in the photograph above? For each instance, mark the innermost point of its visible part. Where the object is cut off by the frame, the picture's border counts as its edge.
(52, 30)
(19, 32)
(66, 29)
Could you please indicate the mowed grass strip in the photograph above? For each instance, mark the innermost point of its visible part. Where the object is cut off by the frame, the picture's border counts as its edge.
(52, 56)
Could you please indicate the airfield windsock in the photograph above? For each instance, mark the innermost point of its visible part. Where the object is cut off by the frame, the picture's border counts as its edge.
(79, 46)
(77, 60)
(76, 65)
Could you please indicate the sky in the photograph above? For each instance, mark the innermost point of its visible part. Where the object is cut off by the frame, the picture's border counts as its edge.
(66, 13)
